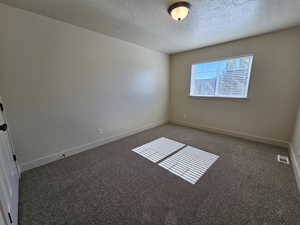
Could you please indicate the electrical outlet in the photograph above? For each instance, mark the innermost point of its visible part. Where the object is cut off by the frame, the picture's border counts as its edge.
(283, 159)
(184, 115)
(100, 131)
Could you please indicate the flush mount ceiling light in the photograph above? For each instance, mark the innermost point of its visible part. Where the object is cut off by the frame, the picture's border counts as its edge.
(179, 10)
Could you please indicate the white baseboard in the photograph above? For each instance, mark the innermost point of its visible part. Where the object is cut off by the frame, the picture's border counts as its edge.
(250, 137)
(75, 150)
(295, 164)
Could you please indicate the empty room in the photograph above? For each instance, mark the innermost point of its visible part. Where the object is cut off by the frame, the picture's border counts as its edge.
(149, 112)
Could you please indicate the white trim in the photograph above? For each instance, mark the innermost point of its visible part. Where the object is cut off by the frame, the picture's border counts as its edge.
(75, 150)
(10, 137)
(218, 96)
(296, 166)
(215, 59)
(246, 136)
(283, 159)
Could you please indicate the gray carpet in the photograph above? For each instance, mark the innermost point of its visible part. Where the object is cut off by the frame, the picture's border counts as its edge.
(113, 185)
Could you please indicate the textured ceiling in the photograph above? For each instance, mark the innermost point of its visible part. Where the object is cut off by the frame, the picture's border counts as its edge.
(147, 23)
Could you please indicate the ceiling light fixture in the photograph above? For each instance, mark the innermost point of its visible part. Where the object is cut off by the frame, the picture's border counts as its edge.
(179, 10)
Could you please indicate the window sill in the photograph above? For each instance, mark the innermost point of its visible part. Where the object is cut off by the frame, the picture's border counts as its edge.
(219, 97)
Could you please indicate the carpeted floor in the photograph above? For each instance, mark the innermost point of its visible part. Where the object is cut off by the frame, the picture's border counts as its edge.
(111, 185)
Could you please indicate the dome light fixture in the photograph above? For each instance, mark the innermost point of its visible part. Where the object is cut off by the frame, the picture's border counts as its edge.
(179, 10)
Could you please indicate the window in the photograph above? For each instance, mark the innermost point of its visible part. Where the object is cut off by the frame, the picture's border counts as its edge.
(228, 78)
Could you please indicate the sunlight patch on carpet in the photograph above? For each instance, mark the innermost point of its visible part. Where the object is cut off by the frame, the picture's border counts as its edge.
(189, 163)
(158, 149)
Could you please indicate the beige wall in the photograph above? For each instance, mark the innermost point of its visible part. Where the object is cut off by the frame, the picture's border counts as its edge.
(274, 92)
(61, 83)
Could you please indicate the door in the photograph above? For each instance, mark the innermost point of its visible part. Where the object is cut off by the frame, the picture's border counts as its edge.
(9, 176)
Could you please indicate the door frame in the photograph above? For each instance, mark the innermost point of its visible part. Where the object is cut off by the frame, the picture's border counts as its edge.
(3, 212)
(10, 139)
(9, 205)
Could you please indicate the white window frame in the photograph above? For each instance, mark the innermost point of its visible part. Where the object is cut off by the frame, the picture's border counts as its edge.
(220, 96)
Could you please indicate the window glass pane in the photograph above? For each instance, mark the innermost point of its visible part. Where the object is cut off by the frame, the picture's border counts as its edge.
(223, 78)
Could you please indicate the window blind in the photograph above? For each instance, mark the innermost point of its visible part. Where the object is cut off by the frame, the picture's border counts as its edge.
(222, 78)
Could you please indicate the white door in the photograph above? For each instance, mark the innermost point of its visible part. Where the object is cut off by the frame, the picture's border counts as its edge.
(9, 177)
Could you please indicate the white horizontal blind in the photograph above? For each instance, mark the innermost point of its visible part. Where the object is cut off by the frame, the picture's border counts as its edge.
(223, 78)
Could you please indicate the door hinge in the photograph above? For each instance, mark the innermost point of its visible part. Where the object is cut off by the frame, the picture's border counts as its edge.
(1, 107)
(15, 157)
(10, 219)
(3, 127)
